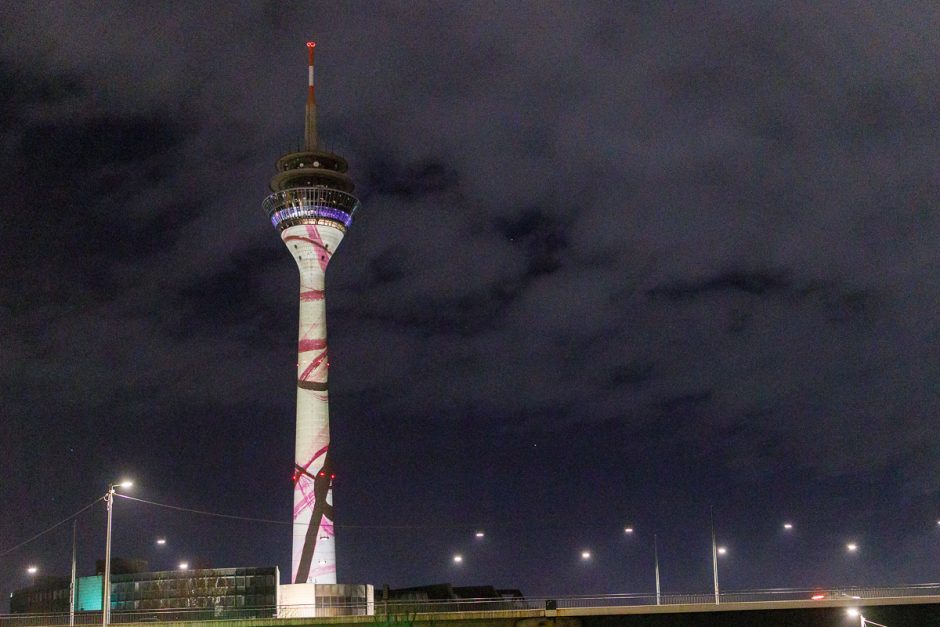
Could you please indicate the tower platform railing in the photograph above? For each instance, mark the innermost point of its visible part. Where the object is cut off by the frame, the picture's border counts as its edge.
(300, 205)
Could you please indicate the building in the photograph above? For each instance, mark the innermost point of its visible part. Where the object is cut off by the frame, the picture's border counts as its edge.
(47, 595)
(123, 566)
(312, 205)
(207, 593)
(445, 597)
(216, 593)
(247, 592)
(220, 592)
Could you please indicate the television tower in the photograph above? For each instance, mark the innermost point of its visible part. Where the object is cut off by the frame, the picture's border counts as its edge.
(312, 206)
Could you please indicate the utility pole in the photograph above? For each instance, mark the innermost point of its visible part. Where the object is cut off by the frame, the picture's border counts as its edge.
(72, 582)
(106, 577)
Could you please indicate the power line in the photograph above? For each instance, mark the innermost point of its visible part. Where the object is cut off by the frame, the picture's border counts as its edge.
(203, 512)
(42, 533)
(285, 522)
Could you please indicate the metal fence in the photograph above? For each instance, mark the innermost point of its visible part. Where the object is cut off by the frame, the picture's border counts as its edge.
(418, 607)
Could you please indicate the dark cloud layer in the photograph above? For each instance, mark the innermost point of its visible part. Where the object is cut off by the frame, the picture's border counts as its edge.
(613, 265)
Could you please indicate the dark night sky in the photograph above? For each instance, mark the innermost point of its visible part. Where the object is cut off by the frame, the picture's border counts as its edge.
(613, 265)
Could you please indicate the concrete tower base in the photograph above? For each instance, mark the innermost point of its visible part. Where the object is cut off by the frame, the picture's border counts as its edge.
(317, 600)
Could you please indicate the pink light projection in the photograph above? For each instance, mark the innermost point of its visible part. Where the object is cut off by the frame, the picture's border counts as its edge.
(314, 553)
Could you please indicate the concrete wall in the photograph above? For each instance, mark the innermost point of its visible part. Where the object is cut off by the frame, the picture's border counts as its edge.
(904, 614)
(317, 600)
(890, 612)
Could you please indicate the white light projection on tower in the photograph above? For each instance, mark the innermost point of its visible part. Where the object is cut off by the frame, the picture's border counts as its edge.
(312, 206)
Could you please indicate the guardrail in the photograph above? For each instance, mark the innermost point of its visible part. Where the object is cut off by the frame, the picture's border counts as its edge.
(418, 607)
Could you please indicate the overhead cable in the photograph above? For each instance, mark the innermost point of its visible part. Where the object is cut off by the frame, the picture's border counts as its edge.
(284, 522)
(42, 533)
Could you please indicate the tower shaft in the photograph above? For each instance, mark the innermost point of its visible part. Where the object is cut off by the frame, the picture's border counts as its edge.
(313, 552)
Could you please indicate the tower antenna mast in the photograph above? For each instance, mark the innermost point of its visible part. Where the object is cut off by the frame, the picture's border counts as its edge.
(310, 127)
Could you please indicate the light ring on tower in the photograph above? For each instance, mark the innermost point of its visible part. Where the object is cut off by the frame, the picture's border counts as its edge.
(310, 205)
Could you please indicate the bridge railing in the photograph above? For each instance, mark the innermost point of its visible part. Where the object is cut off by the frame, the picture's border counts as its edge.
(749, 596)
(429, 606)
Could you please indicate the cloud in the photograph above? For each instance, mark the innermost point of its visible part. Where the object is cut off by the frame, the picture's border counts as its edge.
(753, 283)
(702, 235)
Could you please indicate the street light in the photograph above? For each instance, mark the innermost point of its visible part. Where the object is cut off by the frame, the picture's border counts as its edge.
(714, 555)
(106, 579)
(161, 541)
(788, 526)
(851, 547)
(479, 534)
(184, 565)
(458, 559)
(32, 570)
(628, 530)
(585, 555)
(656, 566)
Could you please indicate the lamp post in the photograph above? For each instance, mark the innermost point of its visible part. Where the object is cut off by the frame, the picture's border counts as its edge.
(106, 579)
(714, 555)
(629, 531)
(656, 562)
(72, 580)
(716, 551)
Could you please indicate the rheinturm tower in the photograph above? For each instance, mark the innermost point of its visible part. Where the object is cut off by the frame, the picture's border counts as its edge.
(311, 206)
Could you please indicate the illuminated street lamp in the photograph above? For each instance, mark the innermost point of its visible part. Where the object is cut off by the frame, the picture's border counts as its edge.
(184, 566)
(788, 526)
(479, 534)
(851, 547)
(585, 556)
(458, 559)
(715, 552)
(32, 570)
(106, 579)
(629, 531)
(161, 541)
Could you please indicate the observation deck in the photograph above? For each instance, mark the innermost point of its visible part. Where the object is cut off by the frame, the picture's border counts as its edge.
(311, 187)
(312, 168)
(310, 205)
